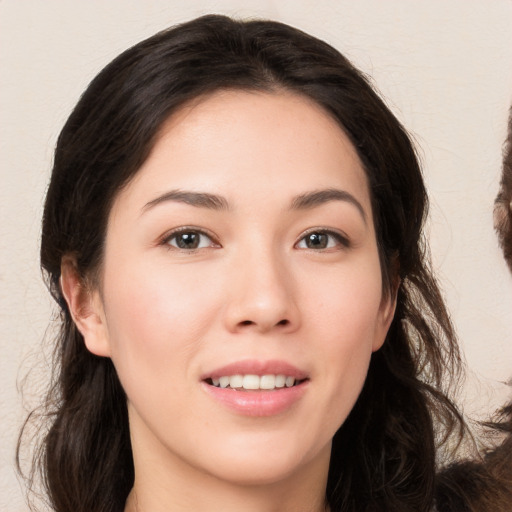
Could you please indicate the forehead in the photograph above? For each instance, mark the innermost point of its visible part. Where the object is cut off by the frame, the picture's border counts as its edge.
(251, 146)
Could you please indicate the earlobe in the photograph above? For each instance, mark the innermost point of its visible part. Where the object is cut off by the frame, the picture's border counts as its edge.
(86, 308)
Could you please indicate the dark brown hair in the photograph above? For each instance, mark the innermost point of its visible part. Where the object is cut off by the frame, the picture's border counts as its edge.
(481, 485)
(503, 203)
(384, 455)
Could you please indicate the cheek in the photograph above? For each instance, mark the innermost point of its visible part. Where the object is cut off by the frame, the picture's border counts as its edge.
(156, 318)
(344, 304)
(345, 325)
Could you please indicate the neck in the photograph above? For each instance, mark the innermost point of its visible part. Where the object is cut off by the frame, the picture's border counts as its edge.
(226, 499)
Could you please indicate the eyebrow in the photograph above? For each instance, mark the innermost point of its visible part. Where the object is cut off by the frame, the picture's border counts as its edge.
(319, 197)
(304, 201)
(198, 199)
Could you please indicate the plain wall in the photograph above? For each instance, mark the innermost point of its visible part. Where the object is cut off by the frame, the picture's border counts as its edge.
(444, 67)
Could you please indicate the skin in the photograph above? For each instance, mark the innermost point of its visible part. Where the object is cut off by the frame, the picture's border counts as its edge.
(254, 289)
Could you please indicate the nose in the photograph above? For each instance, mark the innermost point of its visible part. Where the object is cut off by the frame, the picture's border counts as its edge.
(262, 295)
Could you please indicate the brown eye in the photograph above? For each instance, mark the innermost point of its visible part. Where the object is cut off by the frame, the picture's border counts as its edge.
(316, 241)
(320, 240)
(189, 240)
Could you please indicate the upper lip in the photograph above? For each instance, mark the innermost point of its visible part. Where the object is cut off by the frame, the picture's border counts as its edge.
(257, 367)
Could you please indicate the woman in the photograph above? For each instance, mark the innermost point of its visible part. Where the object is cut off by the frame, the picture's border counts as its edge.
(233, 233)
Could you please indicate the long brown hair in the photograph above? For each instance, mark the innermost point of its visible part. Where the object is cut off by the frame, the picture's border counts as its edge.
(384, 455)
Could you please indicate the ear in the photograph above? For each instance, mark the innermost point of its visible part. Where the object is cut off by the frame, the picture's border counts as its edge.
(86, 308)
(386, 315)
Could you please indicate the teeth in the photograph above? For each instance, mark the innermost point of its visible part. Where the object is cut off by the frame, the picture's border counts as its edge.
(236, 381)
(280, 381)
(267, 382)
(252, 382)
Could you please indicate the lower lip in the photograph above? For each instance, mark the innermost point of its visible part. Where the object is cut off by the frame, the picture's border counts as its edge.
(257, 403)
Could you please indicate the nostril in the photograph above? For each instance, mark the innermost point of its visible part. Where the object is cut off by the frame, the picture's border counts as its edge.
(283, 322)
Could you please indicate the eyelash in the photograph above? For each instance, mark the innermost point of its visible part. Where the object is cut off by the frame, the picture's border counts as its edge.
(339, 238)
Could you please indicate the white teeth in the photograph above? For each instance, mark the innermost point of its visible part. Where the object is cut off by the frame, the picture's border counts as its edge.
(236, 381)
(280, 381)
(268, 382)
(252, 382)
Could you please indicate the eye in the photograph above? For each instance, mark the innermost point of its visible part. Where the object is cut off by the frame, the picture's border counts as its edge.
(189, 239)
(322, 239)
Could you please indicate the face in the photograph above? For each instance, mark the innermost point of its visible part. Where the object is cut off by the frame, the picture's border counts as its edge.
(240, 296)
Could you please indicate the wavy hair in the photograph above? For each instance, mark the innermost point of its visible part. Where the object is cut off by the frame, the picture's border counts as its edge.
(384, 456)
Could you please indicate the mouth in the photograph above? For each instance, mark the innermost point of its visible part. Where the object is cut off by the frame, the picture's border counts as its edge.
(257, 388)
(252, 382)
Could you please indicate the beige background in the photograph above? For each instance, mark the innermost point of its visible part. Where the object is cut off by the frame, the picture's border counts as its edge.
(444, 67)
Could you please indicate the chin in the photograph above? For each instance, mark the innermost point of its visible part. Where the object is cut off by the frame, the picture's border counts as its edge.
(254, 473)
(265, 463)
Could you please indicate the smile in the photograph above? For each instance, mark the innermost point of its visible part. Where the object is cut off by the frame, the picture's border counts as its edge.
(254, 382)
(256, 387)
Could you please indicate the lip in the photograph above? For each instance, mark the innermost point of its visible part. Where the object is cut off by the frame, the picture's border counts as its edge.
(253, 367)
(257, 402)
